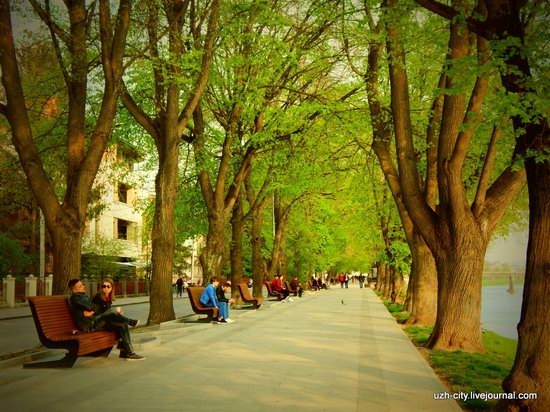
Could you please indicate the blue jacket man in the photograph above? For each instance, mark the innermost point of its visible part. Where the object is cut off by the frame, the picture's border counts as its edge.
(209, 298)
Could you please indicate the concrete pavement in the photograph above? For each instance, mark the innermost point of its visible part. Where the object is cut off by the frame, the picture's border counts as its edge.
(316, 354)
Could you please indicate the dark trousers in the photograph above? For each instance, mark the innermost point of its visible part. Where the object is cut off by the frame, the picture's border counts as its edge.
(283, 292)
(114, 321)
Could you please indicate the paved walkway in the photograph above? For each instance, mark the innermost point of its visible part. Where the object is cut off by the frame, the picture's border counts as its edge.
(316, 354)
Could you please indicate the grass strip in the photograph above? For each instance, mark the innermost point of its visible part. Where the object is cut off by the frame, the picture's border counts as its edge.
(463, 371)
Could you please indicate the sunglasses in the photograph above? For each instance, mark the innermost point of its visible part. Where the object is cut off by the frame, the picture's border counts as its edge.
(106, 286)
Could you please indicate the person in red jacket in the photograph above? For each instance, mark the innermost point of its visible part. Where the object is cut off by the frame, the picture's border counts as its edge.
(277, 286)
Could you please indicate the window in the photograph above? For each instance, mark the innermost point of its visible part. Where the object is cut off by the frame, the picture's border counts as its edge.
(122, 229)
(122, 193)
(125, 230)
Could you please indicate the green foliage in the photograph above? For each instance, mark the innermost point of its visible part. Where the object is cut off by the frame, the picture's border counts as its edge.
(13, 259)
(99, 257)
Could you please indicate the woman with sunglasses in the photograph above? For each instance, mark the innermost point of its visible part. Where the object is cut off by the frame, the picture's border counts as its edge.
(104, 299)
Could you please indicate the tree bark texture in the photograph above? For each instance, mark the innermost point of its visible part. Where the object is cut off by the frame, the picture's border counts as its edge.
(396, 286)
(424, 307)
(458, 323)
(212, 255)
(163, 233)
(530, 372)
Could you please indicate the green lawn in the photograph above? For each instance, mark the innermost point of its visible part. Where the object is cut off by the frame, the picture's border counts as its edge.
(462, 371)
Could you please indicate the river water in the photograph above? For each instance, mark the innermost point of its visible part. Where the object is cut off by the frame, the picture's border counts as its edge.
(500, 310)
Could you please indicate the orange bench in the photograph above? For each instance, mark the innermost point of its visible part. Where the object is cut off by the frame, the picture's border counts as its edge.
(57, 330)
(290, 290)
(195, 293)
(271, 292)
(247, 298)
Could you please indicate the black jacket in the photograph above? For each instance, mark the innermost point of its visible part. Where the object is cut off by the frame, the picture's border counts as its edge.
(78, 303)
(220, 294)
(100, 305)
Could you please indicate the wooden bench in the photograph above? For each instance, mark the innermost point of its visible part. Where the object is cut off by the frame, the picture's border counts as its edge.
(310, 284)
(247, 298)
(290, 290)
(57, 330)
(195, 293)
(271, 292)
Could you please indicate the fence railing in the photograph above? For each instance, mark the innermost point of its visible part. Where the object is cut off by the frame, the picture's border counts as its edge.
(14, 291)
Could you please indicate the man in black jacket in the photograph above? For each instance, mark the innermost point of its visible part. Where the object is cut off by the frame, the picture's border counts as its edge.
(83, 313)
(223, 301)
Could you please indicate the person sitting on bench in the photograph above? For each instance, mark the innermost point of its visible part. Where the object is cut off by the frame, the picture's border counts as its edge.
(277, 286)
(296, 286)
(209, 298)
(83, 313)
(223, 302)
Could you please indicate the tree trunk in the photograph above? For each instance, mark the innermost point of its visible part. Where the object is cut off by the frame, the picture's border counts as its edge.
(257, 258)
(459, 268)
(396, 286)
(282, 257)
(424, 308)
(212, 257)
(385, 287)
(236, 252)
(163, 235)
(530, 372)
(408, 304)
(380, 273)
(66, 242)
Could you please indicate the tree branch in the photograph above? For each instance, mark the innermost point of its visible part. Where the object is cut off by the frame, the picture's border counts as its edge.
(450, 13)
(207, 57)
(46, 17)
(143, 119)
(483, 183)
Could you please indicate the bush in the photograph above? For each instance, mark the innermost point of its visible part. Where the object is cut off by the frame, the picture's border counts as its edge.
(13, 259)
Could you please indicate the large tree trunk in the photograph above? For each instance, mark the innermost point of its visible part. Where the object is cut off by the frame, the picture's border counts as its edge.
(424, 290)
(530, 373)
(459, 268)
(163, 236)
(385, 270)
(66, 243)
(212, 256)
